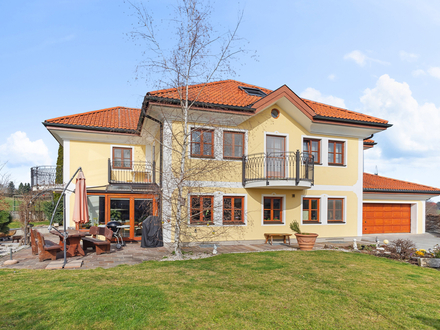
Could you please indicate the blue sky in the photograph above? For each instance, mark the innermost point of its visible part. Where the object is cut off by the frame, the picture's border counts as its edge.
(61, 57)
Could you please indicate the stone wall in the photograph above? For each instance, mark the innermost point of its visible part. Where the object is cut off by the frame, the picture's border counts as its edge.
(432, 223)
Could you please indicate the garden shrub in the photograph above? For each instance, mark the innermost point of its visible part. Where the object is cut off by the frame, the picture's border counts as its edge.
(5, 220)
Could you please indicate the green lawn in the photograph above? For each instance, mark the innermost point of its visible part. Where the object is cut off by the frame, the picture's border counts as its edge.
(17, 224)
(270, 290)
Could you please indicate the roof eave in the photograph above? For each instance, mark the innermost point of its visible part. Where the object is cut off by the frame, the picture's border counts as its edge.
(48, 125)
(351, 121)
(429, 192)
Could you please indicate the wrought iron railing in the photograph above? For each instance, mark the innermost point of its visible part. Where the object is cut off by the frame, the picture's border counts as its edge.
(46, 176)
(295, 166)
(139, 172)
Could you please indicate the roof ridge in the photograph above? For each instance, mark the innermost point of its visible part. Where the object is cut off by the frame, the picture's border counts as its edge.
(210, 84)
(91, 112)
(345, 110)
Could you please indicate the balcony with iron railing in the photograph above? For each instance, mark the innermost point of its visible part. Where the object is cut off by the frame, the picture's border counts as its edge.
(286, 170)
(137, 173)
(47, 177)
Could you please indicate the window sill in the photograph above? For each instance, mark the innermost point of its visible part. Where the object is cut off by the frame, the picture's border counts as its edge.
(335, 221)
(340, 165)
(305, 222)
(203, 157)
(273, 223)
(202, 223)
(233, 223)
(233, 158)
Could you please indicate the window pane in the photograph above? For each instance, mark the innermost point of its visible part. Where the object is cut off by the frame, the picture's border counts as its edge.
(331, 203)
(228, 151)
(228, 139)
(266, 215)
(338, 204)
(306, 215)
(238, 141)
(195, 136)
(338, 215)
(127, 163)
(314, 215)
(238, 151)
(237, 215)
(195, 215)
(195, 202)
(117, 163)
(207, 215)
(315, 145)
(330, 158)
(207, 202)
(314, 204)
(227, 215)
(276, 203)
(207, 149)
(196, 148)
(127, 153)
(227, 203)
(118, 152)
(207, 137)
(267, 203)
(330, 215)
(305, 146)
(237, 203)
(339, 147)
(331, 147)
(276, 215)
(339, 158)
(306, 204)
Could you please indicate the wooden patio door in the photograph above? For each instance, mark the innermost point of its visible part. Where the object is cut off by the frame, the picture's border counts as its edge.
(275, 157)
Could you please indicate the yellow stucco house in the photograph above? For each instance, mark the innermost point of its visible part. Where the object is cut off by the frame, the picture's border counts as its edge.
(257, 159)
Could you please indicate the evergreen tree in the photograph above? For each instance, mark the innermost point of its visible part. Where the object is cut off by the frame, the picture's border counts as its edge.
(20, 189)
(11, 188)
(59, 170)
(5, 220)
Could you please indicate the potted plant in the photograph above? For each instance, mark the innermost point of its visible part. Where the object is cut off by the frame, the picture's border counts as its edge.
(306, 241)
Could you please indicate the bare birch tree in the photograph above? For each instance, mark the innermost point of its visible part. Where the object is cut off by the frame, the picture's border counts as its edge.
(199, 56)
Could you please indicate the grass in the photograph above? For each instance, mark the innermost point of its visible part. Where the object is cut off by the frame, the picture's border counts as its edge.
(17, 224)
(290, 290)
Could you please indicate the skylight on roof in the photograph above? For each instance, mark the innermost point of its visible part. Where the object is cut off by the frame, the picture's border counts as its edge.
(253, 91)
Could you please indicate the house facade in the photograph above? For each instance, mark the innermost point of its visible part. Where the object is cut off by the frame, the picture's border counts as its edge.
(256, 160)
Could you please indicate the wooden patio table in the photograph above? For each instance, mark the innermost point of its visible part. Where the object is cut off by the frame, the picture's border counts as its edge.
(73, 241)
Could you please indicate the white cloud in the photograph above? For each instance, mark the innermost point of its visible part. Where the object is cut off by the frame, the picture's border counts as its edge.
(415, 125)
(361, 59)
(408, 57)
(418, 72)
(315, 95)
(331, 76)
(434, 71)
(20, 150)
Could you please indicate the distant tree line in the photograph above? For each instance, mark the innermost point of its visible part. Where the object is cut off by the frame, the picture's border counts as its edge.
(21, 190)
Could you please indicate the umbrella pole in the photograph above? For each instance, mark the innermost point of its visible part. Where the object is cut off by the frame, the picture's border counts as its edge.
(64, 214)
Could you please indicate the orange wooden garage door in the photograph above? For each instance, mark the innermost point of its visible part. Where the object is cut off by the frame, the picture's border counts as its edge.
(386, 218)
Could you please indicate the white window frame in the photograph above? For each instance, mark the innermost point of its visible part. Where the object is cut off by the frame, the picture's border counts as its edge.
(244, 208)
(344, 216)
(345, 152)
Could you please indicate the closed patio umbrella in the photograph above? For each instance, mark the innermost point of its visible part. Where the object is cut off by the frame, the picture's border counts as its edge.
(80, 210)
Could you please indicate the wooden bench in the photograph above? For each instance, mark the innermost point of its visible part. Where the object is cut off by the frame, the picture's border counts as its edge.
(100, 245)
(48, 249)
(34, 243)
(270, 236)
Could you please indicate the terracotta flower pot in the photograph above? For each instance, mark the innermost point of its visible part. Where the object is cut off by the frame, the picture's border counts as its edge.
(306, 242)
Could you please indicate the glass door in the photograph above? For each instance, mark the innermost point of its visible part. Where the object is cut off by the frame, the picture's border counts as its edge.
(275, 157)
(142, 209)
(120, 211)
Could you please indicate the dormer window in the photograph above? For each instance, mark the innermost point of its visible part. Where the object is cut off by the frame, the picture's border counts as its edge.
(253, 91)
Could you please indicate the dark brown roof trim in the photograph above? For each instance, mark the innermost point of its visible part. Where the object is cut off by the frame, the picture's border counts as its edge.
(199, 104)
(360, 122)
(93, 128)
(430, 192)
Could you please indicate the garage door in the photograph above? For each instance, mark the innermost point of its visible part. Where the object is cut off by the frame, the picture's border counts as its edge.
(386, 218)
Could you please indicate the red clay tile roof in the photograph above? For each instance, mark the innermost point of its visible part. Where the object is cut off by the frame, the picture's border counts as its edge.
(369, 141)
(112, 118)
(227, 92)
(376, 183)
(335, 112)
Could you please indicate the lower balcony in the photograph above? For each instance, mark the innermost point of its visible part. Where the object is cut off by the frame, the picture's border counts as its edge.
(281, 170)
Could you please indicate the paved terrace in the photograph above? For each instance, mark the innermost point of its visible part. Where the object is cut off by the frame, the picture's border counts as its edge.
(133, 254)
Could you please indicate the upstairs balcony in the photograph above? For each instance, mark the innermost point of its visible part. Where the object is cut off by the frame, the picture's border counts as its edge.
(47, 177)
(280, 170)
(136, 173)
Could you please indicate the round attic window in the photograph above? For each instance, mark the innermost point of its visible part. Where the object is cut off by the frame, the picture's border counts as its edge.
(275, 113)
